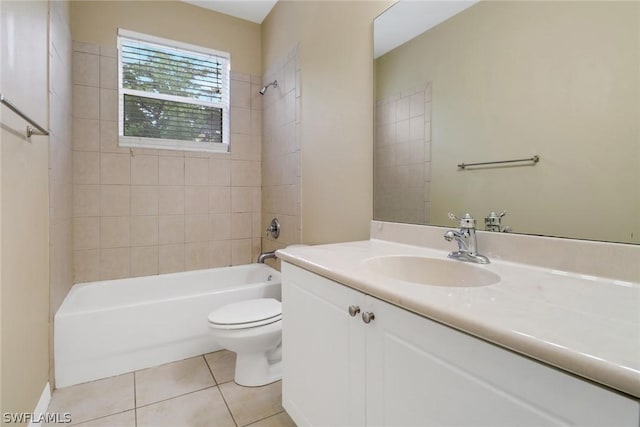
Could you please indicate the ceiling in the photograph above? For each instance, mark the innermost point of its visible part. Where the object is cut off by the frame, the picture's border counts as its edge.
(251, 10)
(396, 26)
(407, 19)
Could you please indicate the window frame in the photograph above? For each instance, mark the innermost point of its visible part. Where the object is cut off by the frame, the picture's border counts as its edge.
(174, 144)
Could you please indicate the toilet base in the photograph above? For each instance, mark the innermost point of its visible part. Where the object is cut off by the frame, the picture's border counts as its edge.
(255, 370)
(258, 352)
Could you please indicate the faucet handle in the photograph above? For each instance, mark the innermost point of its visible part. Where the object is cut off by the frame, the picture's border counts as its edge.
(273, 228)
(466, 221)
(492, 222)
(495, 217)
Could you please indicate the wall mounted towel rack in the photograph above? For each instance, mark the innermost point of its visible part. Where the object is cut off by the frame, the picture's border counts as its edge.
(534, 160)
(39, 130)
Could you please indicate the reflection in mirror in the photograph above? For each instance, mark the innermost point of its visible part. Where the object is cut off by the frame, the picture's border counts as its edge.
(512, 80)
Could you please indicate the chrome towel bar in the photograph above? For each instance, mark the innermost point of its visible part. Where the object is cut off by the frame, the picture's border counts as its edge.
(534, 159)
(30, 130)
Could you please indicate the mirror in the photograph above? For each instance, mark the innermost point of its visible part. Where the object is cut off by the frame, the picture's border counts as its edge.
(497, 81)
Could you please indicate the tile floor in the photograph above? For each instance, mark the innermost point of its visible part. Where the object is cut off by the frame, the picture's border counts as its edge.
(193, 392)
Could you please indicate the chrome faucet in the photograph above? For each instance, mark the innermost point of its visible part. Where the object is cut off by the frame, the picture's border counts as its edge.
(266, 255)
(493, 222)
(466, 239)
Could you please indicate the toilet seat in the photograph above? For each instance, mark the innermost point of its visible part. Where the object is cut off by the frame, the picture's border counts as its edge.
(246, 314)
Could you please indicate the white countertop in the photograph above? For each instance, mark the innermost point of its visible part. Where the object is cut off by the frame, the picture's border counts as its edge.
(586, 325)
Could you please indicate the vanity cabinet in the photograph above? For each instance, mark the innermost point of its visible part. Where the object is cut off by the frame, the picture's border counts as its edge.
(404, 369)
(324, 371)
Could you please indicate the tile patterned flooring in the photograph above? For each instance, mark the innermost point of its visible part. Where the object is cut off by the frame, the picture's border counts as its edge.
(193, 392)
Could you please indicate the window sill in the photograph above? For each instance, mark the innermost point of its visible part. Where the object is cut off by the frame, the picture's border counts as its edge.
(172, 144)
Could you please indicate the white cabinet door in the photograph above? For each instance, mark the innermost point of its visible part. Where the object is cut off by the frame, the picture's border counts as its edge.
(422, 373)
(323, 351)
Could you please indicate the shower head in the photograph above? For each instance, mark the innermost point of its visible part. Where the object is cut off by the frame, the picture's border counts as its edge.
(264, 89)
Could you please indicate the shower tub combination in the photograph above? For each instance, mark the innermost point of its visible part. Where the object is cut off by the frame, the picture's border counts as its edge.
(112, 327)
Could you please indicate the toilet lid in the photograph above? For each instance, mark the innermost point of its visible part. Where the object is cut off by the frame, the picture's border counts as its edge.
(246, 314)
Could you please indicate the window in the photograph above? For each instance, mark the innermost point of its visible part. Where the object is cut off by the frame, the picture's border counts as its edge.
(172, 95)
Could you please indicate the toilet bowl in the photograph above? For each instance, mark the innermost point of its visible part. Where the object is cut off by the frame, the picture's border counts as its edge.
(253, 330)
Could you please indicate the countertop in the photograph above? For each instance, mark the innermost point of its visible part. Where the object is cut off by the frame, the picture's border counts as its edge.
(586, 325)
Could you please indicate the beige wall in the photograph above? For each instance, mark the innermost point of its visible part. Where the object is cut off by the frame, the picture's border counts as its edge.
(25, 207)
(514, 79)
(98, 22)
(336, 66)
(60, 161)
(142, 212)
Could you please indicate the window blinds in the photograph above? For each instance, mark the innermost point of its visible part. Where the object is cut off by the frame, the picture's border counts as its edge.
(172, 93)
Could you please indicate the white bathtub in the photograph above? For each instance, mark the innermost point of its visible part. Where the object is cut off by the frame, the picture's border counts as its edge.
(111, 327)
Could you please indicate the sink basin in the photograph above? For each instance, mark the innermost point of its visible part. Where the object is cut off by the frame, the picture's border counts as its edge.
(431, 271)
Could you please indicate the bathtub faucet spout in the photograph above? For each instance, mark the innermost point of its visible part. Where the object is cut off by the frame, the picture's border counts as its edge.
(266, 255)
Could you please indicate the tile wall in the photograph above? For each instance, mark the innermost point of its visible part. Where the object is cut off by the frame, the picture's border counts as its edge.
(281, 153)
(402, 151)
(143, 212)
(60, 160)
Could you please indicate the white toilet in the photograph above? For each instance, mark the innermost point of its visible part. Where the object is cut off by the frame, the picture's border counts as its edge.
(253, 330)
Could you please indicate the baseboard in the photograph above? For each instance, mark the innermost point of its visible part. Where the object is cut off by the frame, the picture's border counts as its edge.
(43, 404)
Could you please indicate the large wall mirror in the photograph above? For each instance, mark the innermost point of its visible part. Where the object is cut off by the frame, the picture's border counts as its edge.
(496, 81)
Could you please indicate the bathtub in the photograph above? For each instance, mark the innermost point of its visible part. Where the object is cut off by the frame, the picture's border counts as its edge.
(112, 327)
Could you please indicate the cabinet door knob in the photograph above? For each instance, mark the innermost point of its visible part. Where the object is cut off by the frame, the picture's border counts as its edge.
(353, 310)
(367, 317)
